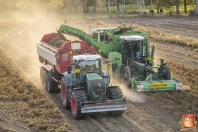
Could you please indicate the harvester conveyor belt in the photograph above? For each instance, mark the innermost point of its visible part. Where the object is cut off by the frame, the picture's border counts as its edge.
(104, 48)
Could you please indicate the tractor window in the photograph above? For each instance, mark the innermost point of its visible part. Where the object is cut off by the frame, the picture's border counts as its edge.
(95, 36)
(103, 36)
(134, 50)
(90, 65)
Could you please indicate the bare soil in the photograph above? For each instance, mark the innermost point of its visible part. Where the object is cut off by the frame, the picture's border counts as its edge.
(23, 106)
(26, 105)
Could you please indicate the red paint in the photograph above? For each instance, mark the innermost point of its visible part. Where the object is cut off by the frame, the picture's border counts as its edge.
(74, 105)
(62, 64)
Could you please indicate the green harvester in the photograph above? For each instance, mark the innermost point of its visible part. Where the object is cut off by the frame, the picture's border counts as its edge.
(130, 56)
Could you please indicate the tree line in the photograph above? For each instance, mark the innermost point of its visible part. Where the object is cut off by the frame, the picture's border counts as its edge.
(87, 6)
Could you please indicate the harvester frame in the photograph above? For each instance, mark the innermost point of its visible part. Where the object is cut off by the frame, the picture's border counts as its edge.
(134, 66)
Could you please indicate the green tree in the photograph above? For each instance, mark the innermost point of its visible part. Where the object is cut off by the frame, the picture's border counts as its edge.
(117, 2)
(88, 3)
(196, 11)
(177, 6)
(185, 9)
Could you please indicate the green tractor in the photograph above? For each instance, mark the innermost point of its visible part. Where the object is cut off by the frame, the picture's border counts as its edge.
(131, 57)
(86, 89)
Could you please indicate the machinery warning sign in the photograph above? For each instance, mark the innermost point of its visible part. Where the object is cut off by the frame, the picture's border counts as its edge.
(160, 85)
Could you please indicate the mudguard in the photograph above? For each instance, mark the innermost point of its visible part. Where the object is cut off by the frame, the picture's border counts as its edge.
(106, 77)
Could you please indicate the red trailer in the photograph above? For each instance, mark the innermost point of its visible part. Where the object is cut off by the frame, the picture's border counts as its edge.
(85, 87)
(55, 54)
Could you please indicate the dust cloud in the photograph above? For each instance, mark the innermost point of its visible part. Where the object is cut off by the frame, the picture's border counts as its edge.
(21, 30)
(132, 96)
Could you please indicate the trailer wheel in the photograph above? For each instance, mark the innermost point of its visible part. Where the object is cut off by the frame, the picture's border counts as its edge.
(125, 76)
(115, 93)
(64, 96)
(52, 86)
(165, 72)
(77, 97)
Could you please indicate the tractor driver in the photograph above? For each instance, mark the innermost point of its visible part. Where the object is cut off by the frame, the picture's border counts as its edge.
(87, 66)
(135, 49)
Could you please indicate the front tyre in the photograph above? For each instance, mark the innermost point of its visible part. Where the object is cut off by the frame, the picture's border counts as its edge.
(165, 72)
(115, 93)
(77, 97)
(125, 76)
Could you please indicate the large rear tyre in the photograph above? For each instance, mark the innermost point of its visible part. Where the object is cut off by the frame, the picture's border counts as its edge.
(125, 76)
(76, 98)
(165, 72)
(64, 95)
(52, 86)
(115, 93)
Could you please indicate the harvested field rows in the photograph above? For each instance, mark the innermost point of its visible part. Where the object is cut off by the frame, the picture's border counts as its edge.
(22, 102)
(161, 112)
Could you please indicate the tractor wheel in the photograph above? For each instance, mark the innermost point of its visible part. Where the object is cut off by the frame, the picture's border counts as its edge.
(165, 72)
(76, 98)
(43, 74)
(52, 86)
(64, 96)
(115, 93)
(125, 76)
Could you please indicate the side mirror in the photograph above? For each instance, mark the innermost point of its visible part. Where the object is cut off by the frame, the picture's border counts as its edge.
(114, 66)
(152, 51)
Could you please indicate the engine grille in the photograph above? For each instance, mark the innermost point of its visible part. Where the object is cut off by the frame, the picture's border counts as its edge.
(98, 86)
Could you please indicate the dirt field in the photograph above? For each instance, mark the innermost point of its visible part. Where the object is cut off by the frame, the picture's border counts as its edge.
(26, 106)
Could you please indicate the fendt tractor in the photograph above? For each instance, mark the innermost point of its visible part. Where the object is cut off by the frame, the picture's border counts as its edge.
(75, 68)
(131, 57)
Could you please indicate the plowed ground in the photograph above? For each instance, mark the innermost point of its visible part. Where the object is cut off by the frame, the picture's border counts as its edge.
(23, 106)
(28, 107)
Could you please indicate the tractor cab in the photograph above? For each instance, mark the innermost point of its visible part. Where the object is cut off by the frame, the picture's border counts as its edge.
(100, 36)
(88, 74)
(133, 49)
(84, 64)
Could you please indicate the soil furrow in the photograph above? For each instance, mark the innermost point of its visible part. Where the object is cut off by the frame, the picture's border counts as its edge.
(13, 122)
(179, 59)
(138, 117)
(137, 120)
(151, 118)
(66, 113)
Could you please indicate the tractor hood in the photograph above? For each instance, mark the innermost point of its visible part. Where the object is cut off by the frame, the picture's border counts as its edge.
(95, 87)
